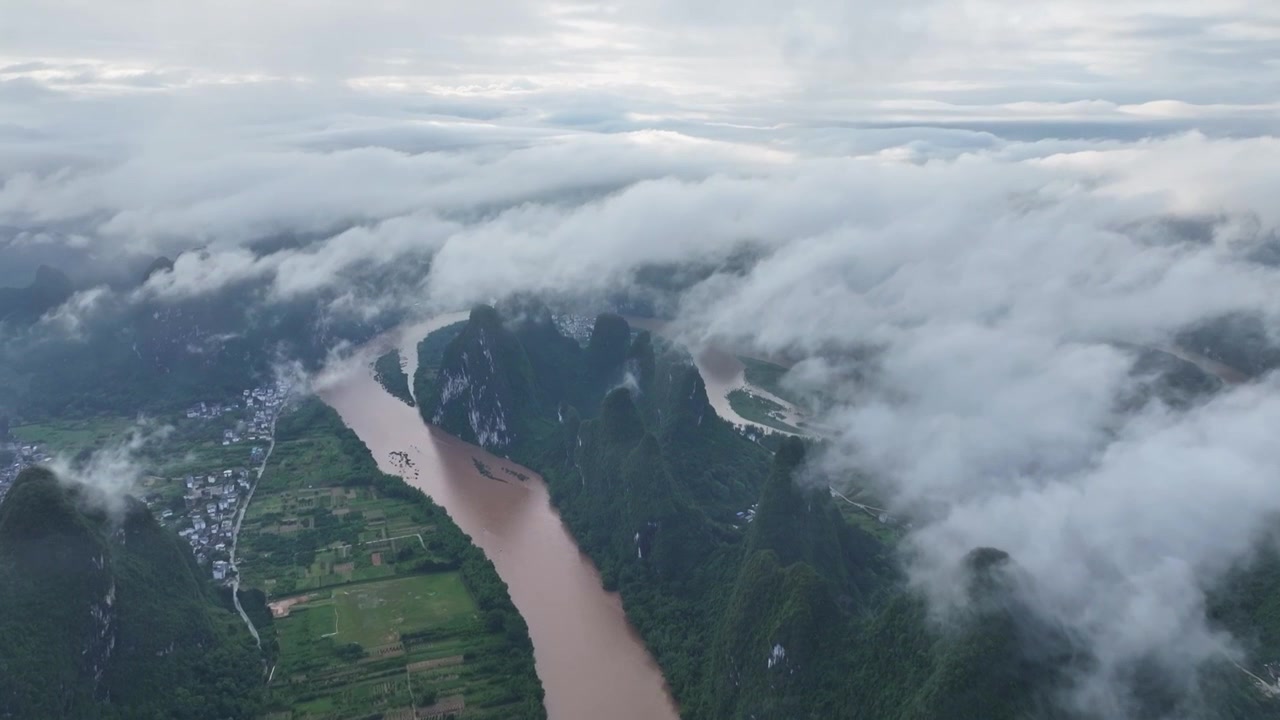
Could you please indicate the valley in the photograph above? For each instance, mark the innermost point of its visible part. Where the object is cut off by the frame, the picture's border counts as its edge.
(378, 604)
(540, 360)
(723, 557)
(589, 659)
(634, 512)
(306, 522)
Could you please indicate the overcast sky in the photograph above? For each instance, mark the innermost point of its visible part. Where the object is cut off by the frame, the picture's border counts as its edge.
(994, 194)
(826, 63)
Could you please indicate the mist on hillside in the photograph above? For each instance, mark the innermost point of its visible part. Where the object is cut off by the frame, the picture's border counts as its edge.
(969, 282)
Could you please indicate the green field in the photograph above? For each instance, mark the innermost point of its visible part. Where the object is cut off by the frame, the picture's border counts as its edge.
(307, 529)
(175, 446)
(768, 377)
(375, 614)
(69, 437)
(387, 646)
(885, 533)
(382, 607)
(759, 409)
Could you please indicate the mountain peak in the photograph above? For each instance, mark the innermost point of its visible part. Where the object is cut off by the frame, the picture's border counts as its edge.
(49, 276)
(159, 265)
(49, 289)
(485, 391)
(485, 316)
(641, 360)
(790, 454)
(620, 418)
(106, 612)
(608, 346)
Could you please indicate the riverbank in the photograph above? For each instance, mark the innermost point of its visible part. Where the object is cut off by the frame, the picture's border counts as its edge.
(377, 603)
(590, 660)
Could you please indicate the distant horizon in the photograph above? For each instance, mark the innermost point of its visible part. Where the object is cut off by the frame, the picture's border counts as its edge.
(1022, 259)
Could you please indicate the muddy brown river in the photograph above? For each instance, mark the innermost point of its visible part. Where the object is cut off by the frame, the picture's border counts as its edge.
(591, 662)
(722, 373)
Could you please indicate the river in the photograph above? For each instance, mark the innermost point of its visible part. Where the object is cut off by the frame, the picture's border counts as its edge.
(722, 373)
(591, 662)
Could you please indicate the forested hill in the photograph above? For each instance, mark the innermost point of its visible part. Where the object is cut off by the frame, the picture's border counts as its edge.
(141, 353)
(20, 306)
(103, 614)
(758, 598)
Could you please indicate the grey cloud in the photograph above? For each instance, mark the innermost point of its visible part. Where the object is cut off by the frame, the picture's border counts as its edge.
(113, 471)
(958, 252)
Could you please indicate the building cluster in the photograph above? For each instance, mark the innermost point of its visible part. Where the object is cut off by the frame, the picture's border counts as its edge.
(212, 500)
(260, 404)
(578, 327)
(209, 521)
(209, 411)
(18, 457)
(263, 404)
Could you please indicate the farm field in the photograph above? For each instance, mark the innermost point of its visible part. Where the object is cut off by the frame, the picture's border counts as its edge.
(71, 436)
(376, 613)
(175, 446)
(413, 642)
(306, 530)
(371, 594)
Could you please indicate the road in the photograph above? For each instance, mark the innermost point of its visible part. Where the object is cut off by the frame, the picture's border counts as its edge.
(235, 531)
(871, 510)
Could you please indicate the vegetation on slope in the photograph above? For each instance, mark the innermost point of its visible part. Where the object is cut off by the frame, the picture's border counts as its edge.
(158, 355)
(103, 614)
(484, 390)
(757, 596)
(388, 370)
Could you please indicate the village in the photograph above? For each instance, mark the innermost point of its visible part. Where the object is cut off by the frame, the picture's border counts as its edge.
(17, 457)
(211, 501)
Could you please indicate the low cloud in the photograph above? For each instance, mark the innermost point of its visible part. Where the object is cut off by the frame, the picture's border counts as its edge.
(114, 470)
(965, 256)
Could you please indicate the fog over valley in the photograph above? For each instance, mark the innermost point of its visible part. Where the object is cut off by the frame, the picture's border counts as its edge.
(1018, 267)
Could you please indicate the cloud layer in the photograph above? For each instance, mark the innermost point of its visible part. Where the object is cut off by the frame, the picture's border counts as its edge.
(961, 216)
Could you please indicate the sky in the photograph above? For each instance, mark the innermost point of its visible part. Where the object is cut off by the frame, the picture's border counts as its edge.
(994, 200)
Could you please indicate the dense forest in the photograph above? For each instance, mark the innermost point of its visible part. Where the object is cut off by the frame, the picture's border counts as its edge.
(136, 352)
(756, 596)
(389, 373)
(104, 614)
